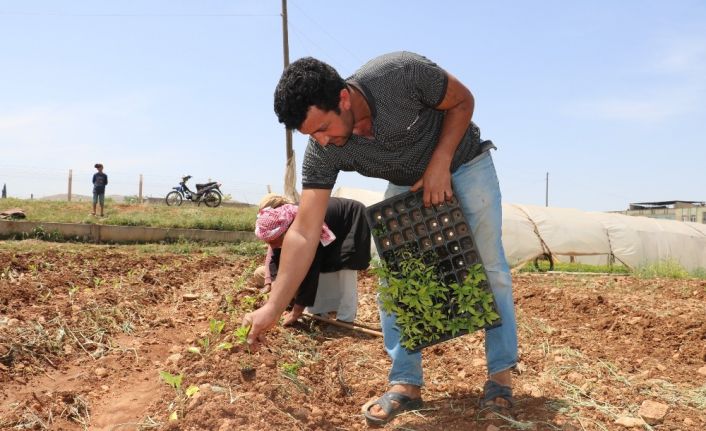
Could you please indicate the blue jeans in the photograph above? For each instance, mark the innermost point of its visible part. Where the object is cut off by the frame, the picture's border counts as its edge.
(476, 187)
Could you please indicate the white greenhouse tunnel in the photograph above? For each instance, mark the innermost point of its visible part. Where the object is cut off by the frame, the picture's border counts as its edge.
(587, 237)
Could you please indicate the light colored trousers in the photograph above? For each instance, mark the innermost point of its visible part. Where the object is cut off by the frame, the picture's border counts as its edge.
(338, 291)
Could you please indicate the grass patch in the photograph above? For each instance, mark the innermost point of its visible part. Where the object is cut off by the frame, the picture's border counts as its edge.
(575, 267)
(244, 248)
(247, 248)
(697, 397)
(543, 326)
(674, 394)
(187, 216)
(663, 269)
(668, 269)
(576, 398)
(699, 273)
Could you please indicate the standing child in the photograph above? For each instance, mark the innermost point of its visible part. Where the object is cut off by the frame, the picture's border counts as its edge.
(100, 180)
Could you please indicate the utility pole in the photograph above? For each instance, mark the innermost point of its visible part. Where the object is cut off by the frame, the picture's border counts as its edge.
(546, 192)
(71, 174)
(139, 196)
(290, 175)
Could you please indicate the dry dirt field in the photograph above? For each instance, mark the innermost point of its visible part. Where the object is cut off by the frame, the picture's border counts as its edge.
(85, 331)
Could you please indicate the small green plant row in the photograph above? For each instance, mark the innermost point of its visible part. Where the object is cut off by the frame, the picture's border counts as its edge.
(175, 381)
(427, 309)
(215, 329)
(205, 347)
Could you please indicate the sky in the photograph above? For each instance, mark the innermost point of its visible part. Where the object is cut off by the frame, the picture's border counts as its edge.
(606, 97)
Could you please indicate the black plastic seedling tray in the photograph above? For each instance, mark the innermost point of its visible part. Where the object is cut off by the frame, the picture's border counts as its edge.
(438, 235)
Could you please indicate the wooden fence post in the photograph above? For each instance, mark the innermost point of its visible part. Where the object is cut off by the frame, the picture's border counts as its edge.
(71, 174)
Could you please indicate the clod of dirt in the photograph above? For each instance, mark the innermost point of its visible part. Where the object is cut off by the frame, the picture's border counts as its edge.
(101, 372)
(653, 412)
(248, 373)
(629, 422)
(301, 413)
(316, 413)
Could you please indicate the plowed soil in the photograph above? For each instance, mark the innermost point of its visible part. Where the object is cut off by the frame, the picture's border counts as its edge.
(85, 331)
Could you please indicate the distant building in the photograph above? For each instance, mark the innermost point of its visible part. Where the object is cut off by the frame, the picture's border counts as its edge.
(692, 211)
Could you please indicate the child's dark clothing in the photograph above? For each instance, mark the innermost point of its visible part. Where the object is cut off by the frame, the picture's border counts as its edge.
(100, 180)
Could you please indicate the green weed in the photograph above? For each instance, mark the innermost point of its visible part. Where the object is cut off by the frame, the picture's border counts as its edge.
(241, 334)
(248, 248)
(216, 326)
(665, 269)
(576, 267)
(40, 233)
(291, 369)
(171, 379)
(699, 273)
(249, 302)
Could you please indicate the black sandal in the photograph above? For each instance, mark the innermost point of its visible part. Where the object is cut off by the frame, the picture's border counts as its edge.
(404, 403)
(492, 391)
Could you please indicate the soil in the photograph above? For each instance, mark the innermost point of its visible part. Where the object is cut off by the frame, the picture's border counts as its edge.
(85, 331)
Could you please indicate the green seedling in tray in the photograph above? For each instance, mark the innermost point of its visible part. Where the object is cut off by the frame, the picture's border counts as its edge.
(427, 309)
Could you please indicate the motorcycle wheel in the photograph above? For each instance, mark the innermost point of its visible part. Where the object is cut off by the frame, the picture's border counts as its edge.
(173, 199)
(212, 199)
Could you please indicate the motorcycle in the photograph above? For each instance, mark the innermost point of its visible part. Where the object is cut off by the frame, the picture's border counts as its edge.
(209, 193)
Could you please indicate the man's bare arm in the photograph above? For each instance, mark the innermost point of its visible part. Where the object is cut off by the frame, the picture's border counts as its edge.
(299, 246)
(298, 249)
(458, 103)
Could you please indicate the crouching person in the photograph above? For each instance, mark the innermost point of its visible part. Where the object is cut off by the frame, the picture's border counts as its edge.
(331, 283)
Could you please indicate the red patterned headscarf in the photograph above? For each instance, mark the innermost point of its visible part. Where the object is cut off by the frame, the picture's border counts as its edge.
(271, 223)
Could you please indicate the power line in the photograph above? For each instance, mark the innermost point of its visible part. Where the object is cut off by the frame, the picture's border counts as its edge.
(307, 38)
(140, 15)
(322, 29)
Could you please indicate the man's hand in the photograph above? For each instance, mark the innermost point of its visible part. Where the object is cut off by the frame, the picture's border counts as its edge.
(436, 182)
(458, 104)
(259, 322)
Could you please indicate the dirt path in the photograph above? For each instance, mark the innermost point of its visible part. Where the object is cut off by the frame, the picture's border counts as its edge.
(86, 330)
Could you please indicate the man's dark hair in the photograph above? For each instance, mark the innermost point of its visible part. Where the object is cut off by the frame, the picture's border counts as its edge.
(304, 83)
(98, 165)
